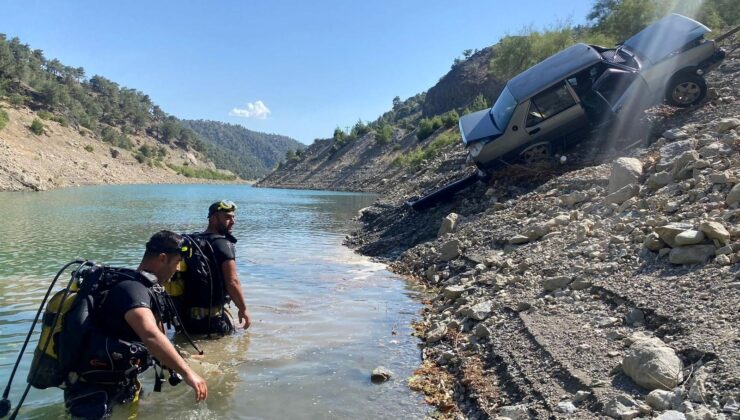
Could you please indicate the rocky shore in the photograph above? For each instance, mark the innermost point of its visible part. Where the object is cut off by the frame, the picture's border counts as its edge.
(605, 288)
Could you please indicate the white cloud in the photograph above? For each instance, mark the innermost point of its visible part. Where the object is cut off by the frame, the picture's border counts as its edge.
(256, 110)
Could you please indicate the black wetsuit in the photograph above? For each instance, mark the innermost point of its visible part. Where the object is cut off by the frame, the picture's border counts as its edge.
(219, 322)
(86, 400)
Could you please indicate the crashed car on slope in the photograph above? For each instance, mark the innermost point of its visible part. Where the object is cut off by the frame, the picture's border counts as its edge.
(548, 106)
(559, 101)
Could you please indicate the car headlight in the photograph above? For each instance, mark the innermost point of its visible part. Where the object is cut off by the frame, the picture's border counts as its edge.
(475, 148)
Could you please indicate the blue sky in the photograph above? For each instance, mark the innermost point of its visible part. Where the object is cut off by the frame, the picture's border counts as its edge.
(313, 65)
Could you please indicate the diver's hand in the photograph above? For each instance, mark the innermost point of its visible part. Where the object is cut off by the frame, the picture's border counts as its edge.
(198, 384)
(244, 320)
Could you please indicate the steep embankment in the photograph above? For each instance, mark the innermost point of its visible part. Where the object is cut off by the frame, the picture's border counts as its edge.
(574, 291)
(368, 163)
(64, 156)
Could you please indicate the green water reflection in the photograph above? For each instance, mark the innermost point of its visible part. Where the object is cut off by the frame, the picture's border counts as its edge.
(323, 316)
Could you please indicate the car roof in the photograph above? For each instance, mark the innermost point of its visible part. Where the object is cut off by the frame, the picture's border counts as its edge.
(552, 70)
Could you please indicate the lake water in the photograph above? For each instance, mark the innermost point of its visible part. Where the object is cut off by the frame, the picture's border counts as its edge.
(322, 316)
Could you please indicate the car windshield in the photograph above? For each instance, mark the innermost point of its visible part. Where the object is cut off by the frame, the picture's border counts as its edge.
(503, 109)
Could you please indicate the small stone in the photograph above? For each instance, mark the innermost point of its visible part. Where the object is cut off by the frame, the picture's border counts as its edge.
(453, 292)
(481, 331)
(380, 375)
(671, 415)
(659, 179)
(554, 283)
(450, 250)
(625, 408)
(723, 260)
(661, 399)
(701, 413)
(518, 239)
(653, 242)
(515, 412)
(635, 316)
(733, 197)
(580, 284)
(436, 334)
(573, 198)
(623, 194)
(566, 407)
(581, 396)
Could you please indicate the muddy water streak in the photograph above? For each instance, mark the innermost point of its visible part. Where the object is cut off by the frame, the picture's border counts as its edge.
(322, 316)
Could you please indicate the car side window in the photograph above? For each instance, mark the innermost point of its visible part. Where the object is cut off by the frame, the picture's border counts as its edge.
(548, 103)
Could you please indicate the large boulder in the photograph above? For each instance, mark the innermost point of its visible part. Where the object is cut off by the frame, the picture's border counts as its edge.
(715, 230)
(652, 364)
(692, 254)
(668, 233)
(450, 250)
(625, 171)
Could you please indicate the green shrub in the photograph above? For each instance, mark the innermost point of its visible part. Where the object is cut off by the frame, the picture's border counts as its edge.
(114, 153)
(416, 157)
(89, 148)
(17, 100)
(202, 173)
(3, 118)
(37, 127)
(384, 133)
(112, 136)
(450, 119)
(44, 114)
(427, 126)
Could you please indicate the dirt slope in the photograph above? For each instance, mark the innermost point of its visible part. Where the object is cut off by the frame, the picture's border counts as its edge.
(58, 158)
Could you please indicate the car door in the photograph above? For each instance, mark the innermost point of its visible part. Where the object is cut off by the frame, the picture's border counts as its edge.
(552, 114)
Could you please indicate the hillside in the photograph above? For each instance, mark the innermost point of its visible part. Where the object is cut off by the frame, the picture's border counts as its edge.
(63, 156)
(249, 154)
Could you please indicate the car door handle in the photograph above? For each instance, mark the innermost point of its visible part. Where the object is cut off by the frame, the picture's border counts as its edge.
(536, 130)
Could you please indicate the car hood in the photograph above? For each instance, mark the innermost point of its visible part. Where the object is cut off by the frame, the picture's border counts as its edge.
(478, 126)
(663, 37)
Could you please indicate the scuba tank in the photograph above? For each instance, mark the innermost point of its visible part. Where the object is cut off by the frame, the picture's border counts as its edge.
(46, 361)
(67, 328)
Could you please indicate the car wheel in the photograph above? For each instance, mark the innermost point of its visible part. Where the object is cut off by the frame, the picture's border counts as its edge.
(686, 89)
(537, 153)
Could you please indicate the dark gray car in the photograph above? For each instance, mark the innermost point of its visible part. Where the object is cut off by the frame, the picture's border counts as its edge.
(549, 105)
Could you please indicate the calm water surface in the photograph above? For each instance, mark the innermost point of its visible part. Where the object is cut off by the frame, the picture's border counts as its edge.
(323, 317)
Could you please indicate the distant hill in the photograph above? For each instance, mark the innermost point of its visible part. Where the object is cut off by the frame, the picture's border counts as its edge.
(247, 153)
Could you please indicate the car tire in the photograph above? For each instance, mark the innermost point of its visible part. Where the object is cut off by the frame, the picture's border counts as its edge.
(686, 89)
(536, 154)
